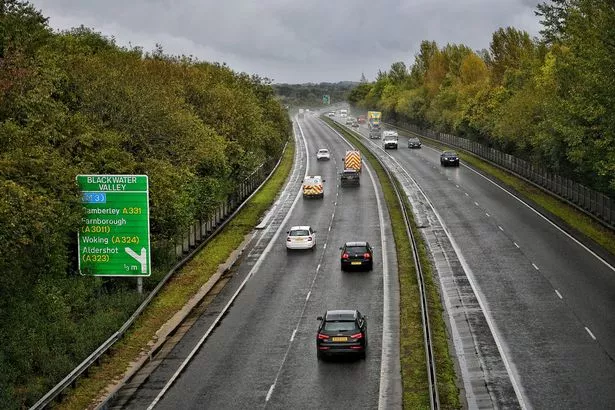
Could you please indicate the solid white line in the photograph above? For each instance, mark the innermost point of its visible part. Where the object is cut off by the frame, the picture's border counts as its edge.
(270, 392)
(256, 266)
(308, 295)
(292, 337)
(501, 229)
(608, 265)
(535, 267)
(387, 339)
(513, 374)
(590, 333)
(515, 243)
(558, 294)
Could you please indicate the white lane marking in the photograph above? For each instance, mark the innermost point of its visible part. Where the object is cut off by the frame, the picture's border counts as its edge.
(387, 337)
(256, 266)
(324, 246)
(457, 186)
(535, 267)
(475, 203)
(501, 229)
(487, 214)
(318, 267)
(590, 333)
(559, 295)
(515, 243)
(329, 229)
(309, 293)
(466, 194)
(510, 368)
(292, 337)
(608, 265)
(270, 392)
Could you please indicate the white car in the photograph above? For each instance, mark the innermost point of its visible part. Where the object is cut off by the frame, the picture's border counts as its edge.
(301, 237)
(323, 154)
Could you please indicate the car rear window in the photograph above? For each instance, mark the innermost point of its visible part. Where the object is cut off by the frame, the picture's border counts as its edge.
(299, 232)
(340, 326)
(357, 249)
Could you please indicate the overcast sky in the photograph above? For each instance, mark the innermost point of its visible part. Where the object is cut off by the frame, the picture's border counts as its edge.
(295, 41)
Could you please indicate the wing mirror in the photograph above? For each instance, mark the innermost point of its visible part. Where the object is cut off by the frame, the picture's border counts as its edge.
(319, 318)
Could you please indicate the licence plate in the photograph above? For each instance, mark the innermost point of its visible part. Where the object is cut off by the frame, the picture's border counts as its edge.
(355, 263)
(340, 339)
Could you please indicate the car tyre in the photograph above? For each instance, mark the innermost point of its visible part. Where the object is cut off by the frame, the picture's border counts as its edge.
(363, 355)
(370, 266)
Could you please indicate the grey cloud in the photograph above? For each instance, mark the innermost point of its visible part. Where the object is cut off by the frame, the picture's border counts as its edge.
(296, 40)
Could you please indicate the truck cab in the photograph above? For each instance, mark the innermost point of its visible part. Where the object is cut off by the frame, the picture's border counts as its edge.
(390, 140)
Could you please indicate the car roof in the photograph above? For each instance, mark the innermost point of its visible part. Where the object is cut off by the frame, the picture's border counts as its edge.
(299, 227)
(359, 243)
(332, 315)
(312, 177)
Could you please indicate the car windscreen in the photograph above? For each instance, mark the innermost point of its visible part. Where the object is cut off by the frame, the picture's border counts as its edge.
(299, 232)
(356, 249)
(414, 140)
(323, 151)
(340, 326)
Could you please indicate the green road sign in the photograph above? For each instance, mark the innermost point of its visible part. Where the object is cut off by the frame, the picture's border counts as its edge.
(326, 100)
(114, 237)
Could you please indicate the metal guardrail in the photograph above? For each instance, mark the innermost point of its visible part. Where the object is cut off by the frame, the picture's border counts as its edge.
(594, 204)
(193, 241)
(434, 397)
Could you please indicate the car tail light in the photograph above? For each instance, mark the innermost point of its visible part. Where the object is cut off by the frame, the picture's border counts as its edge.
(345, 256)
(366, 255)
(309, 238)
(322, 336)
(357, 336)
(288, 239)
(356, 347)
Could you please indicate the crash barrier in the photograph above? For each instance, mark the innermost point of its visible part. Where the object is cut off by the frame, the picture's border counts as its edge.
(199, 233)
(592, 203)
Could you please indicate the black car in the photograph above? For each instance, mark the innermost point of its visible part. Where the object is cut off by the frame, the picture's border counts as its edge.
(449, 158)
(350, 177)
(357, 255)
(414, 143)
(341, 332)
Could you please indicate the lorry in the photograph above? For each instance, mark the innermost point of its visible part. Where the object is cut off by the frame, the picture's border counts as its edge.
(390, 139)
(343, 113)
(374, 124)
(352, 169)
(301, 112)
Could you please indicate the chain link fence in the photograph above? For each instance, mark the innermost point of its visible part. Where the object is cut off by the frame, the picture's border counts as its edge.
(594, 203)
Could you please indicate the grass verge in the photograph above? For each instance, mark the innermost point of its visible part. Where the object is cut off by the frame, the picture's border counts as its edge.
(186, 282)
(566, 213)
(412, 349)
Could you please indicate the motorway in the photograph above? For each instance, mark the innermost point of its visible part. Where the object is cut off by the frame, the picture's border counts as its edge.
(262, 354)
(547, 300)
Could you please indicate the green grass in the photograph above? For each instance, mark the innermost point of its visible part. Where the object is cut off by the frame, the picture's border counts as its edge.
(412, 349)
(178, 291)
(566, 213)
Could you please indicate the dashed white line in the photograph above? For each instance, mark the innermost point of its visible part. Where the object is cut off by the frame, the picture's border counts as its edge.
(515, 243)
(292, 337)
(535, 267)
(329, 229)
(270, 392)
(487, 214)
(590, 333)
(318, 267)
(466, 194)
(500, 228)
(475, 203)
(457, 186)
(324, 246)
(559, 295)
(308, 295)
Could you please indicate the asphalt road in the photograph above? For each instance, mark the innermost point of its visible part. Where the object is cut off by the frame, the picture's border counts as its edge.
(263, 353)
(550, 301)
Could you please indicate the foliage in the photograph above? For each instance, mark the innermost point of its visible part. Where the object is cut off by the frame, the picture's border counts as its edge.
(548, 100)
(310, 94)
(74, 103)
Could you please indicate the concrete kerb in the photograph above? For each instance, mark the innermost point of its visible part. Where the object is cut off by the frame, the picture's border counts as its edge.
(171, 325)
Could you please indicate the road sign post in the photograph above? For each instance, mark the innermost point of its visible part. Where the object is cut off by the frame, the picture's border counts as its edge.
(114, 237)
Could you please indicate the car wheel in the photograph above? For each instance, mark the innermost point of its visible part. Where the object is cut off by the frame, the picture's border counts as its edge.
(363, 355)
(370, 266)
